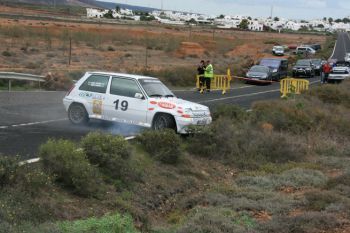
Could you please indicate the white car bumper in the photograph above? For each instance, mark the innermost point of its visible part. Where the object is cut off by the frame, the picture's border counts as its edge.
(337, 76)
(183, 123)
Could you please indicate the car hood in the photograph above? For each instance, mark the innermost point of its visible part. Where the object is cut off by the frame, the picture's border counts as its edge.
(173, 103)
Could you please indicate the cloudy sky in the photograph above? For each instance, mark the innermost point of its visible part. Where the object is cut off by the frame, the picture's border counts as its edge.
(293, 9)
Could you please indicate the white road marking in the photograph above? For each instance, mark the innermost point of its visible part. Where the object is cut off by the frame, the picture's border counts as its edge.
(334, 49)
(246, 95)
(32, 123)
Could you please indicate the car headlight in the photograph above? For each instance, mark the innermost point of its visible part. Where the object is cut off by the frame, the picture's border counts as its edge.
(308, 69)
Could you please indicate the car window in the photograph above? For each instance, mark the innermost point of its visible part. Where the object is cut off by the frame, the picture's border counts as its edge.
(95, 83)
(270, 63)
(124, 87)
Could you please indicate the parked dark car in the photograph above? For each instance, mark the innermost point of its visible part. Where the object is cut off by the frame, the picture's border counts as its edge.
(259, 73)
(304, 68)
(316, 47)
(317, 63)
(278, 67)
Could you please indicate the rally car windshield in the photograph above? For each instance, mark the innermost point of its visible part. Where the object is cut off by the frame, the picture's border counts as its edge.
(155, 88)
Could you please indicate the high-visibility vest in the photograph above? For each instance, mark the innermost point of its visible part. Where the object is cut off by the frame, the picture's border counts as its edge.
(209, 71)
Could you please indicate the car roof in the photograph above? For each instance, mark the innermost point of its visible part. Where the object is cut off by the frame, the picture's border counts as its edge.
(134, 76)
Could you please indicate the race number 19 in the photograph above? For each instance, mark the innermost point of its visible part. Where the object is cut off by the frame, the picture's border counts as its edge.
(123, 105)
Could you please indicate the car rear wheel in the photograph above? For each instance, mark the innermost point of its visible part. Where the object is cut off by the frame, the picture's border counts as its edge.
(164, 121)
(77, 114)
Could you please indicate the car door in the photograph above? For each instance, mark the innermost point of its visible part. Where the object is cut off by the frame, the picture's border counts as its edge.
(125, 101)
(93, 94)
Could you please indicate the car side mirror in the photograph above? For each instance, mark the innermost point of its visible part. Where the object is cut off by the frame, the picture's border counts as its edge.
(139, 96)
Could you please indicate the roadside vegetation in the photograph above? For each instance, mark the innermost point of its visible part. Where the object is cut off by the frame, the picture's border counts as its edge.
(283, 167)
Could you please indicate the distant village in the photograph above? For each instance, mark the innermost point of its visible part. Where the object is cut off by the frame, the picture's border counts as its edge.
(224, 21)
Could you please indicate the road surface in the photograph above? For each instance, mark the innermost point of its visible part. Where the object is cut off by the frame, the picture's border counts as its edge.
(342, 46)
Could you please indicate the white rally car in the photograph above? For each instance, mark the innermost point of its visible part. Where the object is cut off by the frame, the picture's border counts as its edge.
(131, 99)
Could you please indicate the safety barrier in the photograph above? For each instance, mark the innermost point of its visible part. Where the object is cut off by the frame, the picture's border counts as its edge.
(293, 86)
(219, 82)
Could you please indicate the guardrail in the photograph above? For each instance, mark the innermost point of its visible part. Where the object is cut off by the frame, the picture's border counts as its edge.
(293, 86)
(219, 82)
(21, 77)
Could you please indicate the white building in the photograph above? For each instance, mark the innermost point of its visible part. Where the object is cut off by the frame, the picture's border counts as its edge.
(255, 25)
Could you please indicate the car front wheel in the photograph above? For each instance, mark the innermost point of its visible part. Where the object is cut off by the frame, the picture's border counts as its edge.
(164, 121)
(77, 114)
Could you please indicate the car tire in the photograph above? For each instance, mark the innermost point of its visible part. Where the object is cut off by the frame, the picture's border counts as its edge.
(77, 114)
(164, 121)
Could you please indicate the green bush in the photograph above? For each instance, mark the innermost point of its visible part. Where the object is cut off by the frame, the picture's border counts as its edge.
(6, 54)
(8, 169)
(108, 152)
(109, 223)
(233, 112)
(331, 94)
(284, 115)
(163, 145)
(71, 167)
(177, 76)
(244, 145)
(305, 223)
(295, 178)
(217, 220)
(320, 200)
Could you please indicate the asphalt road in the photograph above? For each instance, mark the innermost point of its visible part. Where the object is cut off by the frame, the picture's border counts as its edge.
(342, 46)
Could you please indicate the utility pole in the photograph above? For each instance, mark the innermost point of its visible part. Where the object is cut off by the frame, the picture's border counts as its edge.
(70, 50)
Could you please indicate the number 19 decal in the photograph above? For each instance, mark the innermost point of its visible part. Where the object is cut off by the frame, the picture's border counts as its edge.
(123, 105)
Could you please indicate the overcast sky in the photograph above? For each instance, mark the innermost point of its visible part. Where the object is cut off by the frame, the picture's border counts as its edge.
(292, 9)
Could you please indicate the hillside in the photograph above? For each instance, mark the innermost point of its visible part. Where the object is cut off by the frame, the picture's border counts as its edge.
(82, 3)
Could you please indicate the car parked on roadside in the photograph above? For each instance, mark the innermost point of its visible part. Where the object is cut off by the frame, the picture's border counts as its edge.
(340, 71)
(318, 65)
(316, 47)
(259, 73)
(304, 68)
(278, 50)
(305, 50)
(131, 99)
(278, 67)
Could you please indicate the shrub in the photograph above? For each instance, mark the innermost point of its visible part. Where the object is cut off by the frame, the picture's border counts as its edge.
(295, 178)
(233, 112)
(6, 54)
(305, 223)
(108, 223)
(71, 167)
(55, 82)
(320, 200)
(244, 145)
(284, 115)
(217, 220)
(110, 153)
(177, 76)
(163, 145)
(111, 49)
(8, 169)
(332, 94)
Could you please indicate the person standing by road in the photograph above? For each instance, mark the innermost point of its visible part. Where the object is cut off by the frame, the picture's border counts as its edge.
(201, 69)
(208, 74)
(327, 69)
